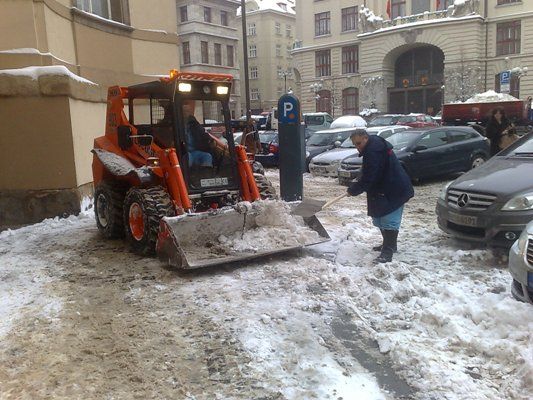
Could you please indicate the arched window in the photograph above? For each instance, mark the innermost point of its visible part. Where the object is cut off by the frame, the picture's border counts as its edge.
(350, 101)
(323, 104)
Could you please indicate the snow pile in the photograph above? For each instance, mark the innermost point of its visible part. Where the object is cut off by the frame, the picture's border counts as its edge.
(36, 72)
(366, 112)
(276, 228)
(369, 15)
(490, 96)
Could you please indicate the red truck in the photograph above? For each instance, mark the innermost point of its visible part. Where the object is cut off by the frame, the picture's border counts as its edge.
(480, 113)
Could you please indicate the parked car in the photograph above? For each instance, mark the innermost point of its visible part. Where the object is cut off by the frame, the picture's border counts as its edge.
(521, 265)
(493, 203)
(269, 155)
(349, 121)
(325, 140)
(430, 153)
(317, 121)
(384, 120)
(417, 121)
(327, 163)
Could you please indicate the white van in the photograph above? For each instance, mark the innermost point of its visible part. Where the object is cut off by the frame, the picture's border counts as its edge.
(317, 121)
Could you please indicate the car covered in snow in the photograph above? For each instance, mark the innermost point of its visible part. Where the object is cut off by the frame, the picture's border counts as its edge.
(521, 265)
(417, 121)
(429, 153)
(327, 164)
(349, 121)
(493, 203)
(384, 120)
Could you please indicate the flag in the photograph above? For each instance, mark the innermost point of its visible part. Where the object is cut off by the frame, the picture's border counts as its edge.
(438, 4)
(388, 8)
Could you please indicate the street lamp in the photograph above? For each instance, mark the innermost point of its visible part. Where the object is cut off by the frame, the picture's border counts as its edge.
(284, 74)
(315, 88)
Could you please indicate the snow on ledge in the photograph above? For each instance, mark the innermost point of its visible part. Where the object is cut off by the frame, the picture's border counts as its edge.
(36, 72)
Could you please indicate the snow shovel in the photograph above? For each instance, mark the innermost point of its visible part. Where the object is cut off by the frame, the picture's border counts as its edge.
(309, 207)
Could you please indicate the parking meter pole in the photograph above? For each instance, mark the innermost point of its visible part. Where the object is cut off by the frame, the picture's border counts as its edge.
(291, 148)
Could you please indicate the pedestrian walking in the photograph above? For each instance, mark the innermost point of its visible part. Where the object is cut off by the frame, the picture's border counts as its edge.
(497, 127)
(387, 187)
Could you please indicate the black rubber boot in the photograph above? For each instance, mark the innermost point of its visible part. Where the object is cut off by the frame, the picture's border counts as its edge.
(394, 247)
(390, 239)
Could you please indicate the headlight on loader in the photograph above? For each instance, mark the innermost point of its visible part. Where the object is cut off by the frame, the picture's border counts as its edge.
(184, 87)
(222, 90)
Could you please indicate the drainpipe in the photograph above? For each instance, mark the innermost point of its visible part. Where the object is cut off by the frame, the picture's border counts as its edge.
(485, 14)
(245, 54)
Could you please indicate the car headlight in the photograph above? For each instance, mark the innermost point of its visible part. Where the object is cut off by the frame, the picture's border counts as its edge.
(444, 190)
(307, 154)
(519, 203)
(522, 241)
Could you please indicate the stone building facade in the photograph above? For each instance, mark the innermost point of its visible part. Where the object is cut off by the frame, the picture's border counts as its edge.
(353, 57)
(270, 30)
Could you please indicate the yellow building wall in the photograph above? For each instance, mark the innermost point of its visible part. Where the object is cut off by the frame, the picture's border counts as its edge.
(153, 14)
(16, 17)
(59, 37)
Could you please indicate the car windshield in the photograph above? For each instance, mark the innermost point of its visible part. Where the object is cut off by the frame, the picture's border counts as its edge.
(267, 137)
(314, 120)
(521, 148)
(407, 118)
(383, 121)
(400, 140)
(327, 139)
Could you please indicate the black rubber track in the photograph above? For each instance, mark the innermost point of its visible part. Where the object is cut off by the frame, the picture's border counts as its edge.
(114, 194)
(266, 190)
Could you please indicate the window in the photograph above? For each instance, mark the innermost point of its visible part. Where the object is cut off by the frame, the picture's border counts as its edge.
(205, 52)
(323, 63)
(229, 50)
(420, 6)
(349, 19)
(288, 31)
(117, 10)
(434, 139)
(459, 136)
(254, 73)
(224, 18)
(186, 50)
(323, 103)
(277, 28)
(322, 24)
(278, 50)
(283, 6)
(500, 2)
(397, 8)
(350, 104)
(279, 71)
(508, 38)
(183, 14)
(444, 4)
(251, 29)
(252, 51)
(207, 14)
(289, 49)
(218, 54)
(254, 94)
(350, 62)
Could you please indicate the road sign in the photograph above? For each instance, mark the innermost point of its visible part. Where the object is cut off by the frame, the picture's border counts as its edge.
(505, 81)
(288, 109)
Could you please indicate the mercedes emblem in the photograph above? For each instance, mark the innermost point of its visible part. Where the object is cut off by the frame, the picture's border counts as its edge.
(462, 201)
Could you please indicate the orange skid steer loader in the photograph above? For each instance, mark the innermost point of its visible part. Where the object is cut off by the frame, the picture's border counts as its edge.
(170, 186)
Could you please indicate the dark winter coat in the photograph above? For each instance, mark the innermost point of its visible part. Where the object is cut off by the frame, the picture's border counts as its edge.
(494, 133)
(385, 182)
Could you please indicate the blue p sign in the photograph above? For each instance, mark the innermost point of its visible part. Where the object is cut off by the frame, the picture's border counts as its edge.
(288, 109)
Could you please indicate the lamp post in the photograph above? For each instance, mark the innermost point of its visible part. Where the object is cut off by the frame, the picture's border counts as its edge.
(315, 88)
(245, 54)
(284, 74)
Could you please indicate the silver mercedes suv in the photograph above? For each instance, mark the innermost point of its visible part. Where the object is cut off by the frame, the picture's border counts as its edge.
(521, 266)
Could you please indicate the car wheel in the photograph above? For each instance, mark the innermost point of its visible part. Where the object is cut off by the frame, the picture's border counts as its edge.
(477, 161)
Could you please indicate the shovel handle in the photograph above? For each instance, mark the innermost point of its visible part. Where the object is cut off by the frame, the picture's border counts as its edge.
(333, 201)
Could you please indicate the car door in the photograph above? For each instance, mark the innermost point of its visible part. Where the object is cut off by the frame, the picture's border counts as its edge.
(465, 144)
(432, 157)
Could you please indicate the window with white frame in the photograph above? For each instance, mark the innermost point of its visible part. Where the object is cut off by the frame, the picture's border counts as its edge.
(254, 73)
(251, 29)
(288, 31)
(117, 10)
(277, 28)
(254, 94)
(278, 50)
(252, 51)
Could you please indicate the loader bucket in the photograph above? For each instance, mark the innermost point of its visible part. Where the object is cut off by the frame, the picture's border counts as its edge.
(199, 240)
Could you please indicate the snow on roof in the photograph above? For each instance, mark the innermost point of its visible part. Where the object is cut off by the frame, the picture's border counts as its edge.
(349, 121)
(36, 72)
(490, 96)
(283, 6)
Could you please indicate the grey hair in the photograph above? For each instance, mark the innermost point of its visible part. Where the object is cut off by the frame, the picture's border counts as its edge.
(359, 132)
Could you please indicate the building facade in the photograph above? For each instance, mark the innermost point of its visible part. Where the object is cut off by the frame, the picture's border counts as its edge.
(209, 42)
(409, 55)
(270, 30)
